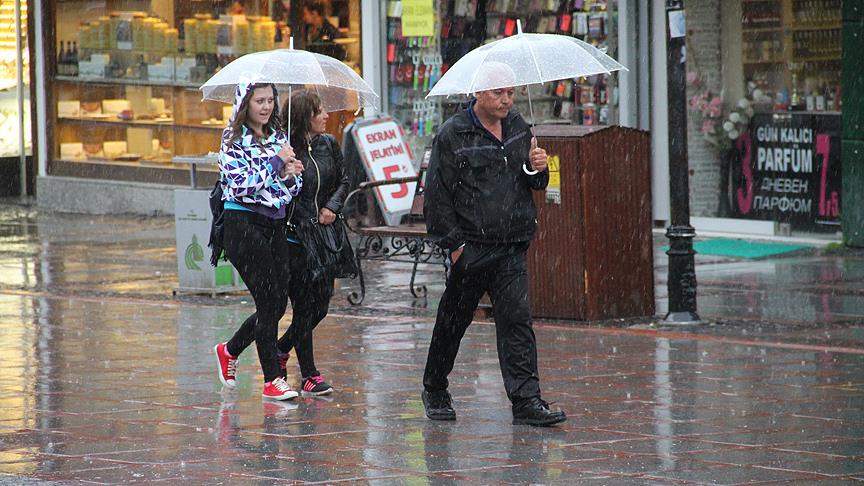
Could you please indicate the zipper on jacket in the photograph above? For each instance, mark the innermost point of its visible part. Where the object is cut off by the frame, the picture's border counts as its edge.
(318, 187)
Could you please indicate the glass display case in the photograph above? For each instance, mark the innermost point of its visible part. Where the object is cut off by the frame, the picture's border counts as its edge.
(126, 81)
(791, 53)
(9, 117)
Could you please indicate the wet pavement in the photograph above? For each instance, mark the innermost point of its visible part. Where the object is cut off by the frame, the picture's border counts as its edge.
(107, 378)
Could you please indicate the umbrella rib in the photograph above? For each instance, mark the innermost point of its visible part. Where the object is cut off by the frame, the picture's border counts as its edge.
(323, 76)
(534, 58)
(474, 77)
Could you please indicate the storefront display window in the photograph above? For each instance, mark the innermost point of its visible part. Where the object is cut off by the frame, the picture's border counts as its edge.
(10, 119)
(791, 53)
(785, 164)
(414, 63)
(126, 78)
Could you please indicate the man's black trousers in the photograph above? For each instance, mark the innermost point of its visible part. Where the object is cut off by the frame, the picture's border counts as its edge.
(502, 271)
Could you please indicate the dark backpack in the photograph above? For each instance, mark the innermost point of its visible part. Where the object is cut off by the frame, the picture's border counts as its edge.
(217, 226)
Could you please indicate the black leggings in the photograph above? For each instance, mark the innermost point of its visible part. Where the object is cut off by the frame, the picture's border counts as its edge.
(257, 247)
(310, 301)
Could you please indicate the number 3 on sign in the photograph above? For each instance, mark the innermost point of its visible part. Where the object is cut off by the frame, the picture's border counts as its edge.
(388, 174)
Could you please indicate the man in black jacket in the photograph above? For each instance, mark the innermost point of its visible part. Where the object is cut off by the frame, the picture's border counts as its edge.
(479, 207)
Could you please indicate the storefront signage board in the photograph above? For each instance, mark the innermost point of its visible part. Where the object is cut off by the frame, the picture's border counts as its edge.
(787, 170)
(385, 155)
(418, 18)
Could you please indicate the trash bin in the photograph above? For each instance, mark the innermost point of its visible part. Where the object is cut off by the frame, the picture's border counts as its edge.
(192, 232)
(593, 255)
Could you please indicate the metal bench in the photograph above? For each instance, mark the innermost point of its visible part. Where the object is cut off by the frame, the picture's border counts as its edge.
(406, 242)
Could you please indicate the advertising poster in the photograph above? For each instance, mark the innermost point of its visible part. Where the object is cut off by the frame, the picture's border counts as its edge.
(386, 156)
(787, 170)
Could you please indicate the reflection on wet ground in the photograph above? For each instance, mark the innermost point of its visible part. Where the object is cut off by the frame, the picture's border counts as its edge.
(108, 379)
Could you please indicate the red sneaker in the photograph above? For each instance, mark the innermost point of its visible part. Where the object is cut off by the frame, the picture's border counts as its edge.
(278, 389)
(227, 366)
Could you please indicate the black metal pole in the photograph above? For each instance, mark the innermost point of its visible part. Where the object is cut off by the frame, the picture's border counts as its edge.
(682, 266)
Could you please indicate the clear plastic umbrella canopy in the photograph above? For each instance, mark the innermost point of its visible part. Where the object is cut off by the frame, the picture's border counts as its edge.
(339, 87)
(521, 60)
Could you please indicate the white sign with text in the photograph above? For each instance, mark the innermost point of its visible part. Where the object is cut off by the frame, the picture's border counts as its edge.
(386, 156)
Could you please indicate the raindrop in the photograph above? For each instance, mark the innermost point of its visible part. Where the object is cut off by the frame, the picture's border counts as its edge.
(628, 394)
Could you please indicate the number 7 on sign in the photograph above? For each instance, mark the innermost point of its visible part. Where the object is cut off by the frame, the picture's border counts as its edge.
(826, 207)
(388, 174)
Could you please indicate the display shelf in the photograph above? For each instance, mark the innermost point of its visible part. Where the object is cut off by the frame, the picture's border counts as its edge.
(766, 62)
(806, 27)
(799, 54)
(818, 59)
(758, 30)
(142, 123)
(141, 162)
(127, 82)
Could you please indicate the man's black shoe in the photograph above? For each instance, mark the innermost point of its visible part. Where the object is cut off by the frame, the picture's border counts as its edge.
(536, 412)
(438, 405)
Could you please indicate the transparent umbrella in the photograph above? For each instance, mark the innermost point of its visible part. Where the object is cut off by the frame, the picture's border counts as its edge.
(339, 87)
(521, 60)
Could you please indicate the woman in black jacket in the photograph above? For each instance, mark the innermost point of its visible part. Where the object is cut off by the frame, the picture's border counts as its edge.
(325, 187)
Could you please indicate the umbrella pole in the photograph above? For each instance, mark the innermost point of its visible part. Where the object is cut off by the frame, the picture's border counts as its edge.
(289, 115)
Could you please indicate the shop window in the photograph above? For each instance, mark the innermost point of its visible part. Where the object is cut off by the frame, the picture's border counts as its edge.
(126, 95)
(414, 63)
(9, 116)
(791, 54)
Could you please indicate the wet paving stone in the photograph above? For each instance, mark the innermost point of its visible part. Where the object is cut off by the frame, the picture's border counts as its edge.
(108, 378)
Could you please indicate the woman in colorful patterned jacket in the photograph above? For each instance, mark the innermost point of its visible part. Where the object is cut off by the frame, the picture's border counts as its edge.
(260, 176)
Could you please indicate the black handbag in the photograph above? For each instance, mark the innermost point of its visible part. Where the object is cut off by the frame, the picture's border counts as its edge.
(328, 250)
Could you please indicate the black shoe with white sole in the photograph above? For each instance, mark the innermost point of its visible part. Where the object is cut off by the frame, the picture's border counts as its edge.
(316, 386)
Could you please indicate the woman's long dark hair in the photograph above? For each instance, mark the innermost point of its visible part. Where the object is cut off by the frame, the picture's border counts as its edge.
(272, 125)
(304, 106)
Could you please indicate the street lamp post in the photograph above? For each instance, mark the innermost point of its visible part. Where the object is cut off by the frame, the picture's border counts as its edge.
(682, 266)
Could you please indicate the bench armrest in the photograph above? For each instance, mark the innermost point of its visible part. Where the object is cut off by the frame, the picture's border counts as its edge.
(371, 184)
(398, 180)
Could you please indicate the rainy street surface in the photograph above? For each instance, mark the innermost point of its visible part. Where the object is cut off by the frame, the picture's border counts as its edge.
(107, 378)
